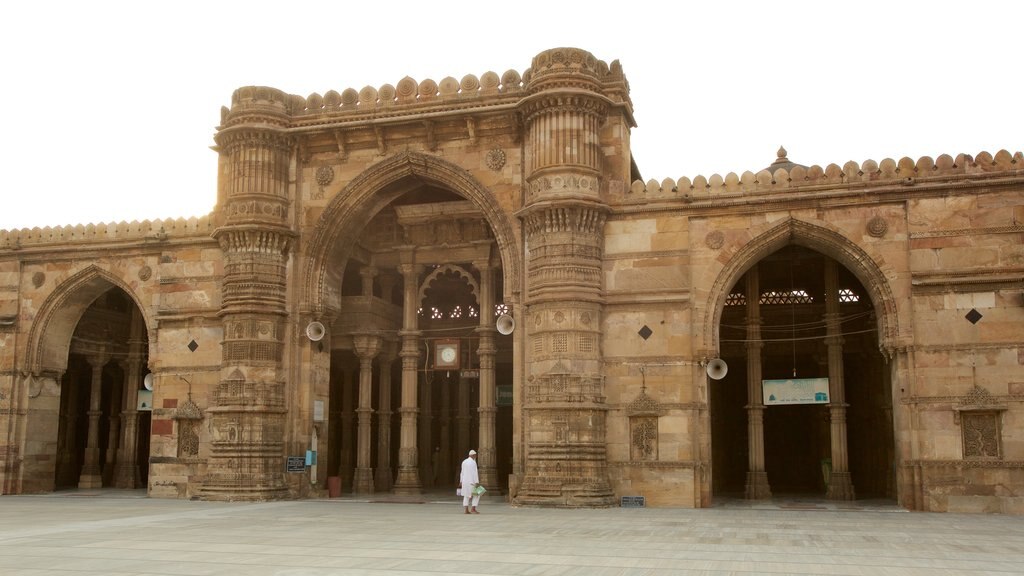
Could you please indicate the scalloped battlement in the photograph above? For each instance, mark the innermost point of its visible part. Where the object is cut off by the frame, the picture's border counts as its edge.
(150, 230)
(409, 92)
(905, 171)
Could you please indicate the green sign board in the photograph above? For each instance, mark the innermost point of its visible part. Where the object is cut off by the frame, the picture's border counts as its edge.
(505, 395)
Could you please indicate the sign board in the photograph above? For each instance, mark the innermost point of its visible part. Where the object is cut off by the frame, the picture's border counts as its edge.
(504, 395)
(632, 502)
(145, 401)
(469, 374)
(318, 410)
(296, 463)
(795, 391)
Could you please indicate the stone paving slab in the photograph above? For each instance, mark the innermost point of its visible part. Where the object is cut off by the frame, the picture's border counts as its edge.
(107, 534)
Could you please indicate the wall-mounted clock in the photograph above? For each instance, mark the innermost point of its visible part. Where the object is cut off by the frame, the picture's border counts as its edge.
(446, 355)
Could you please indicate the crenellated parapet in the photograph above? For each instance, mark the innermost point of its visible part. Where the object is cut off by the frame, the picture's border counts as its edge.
(558, 68)
(147, 231)
(904, 172)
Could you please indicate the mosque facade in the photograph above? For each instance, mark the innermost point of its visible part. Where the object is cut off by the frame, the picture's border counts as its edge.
(393, 276)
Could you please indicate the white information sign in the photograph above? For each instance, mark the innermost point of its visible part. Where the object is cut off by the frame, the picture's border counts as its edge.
(795, 391)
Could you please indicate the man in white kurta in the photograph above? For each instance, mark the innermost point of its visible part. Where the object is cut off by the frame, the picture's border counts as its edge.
(470, 479)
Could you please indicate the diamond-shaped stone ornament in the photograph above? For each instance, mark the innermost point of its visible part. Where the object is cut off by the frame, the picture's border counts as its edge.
(645, 332)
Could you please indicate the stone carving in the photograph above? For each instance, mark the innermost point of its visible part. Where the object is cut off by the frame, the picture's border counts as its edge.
(980, 432)
(978, 414)
(145, 273)
(495, 159)
(38, 278)
(324, 175)
(189, 418)
(877, 227)
(643, 438)
(715, 239)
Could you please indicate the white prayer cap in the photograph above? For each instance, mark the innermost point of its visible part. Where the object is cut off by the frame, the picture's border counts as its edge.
(472, 452)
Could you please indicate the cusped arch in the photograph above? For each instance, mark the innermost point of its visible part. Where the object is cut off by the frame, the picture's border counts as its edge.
(343, 219)
(54, 325)
(474, 288)
(818, 236)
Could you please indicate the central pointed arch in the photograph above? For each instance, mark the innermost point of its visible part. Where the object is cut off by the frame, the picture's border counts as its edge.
(341, 223)
(817, 236)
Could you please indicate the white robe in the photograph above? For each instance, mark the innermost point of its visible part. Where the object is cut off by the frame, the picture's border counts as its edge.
(469, 478)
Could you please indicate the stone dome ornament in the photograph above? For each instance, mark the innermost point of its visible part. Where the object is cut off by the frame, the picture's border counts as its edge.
(715, 239)
(877, 227)
(324, 175)
(495, 159)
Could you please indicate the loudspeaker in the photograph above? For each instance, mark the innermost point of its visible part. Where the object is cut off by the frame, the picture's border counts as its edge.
(717, 369)
(505, 324)
(315, 331)
(148, 381)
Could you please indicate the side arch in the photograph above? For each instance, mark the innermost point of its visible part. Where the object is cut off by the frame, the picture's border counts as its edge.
(54, 325)
(341, 223)
(818, 236)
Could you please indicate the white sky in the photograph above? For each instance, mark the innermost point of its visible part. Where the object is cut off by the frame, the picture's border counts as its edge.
(110, 107)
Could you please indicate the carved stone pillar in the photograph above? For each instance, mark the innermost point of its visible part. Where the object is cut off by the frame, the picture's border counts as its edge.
(348, 428)
(383, 473)
(92, 475)
(757, 487)
(840, 485)
(110, 456)
(127, 473)
(424, 445)
(367, 346)
(445, 457)
(463, 420)
(487, 458)
(408, 481)
(247, 413)
(563, 222)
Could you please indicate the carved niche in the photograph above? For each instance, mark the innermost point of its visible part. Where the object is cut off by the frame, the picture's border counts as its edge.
(979, 417)
(643, 413)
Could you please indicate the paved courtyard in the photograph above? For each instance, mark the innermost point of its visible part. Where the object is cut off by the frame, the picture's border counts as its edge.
(100, 532)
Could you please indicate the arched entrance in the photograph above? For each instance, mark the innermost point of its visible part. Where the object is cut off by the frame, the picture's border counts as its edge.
(407, 266)
(807, 393)
(87, 429)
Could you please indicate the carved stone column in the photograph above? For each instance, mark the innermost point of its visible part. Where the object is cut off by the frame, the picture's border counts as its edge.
(757, 487)
(383, 473)
(563, 221)
(408, 481)
(840, 485)
(367, 346)
(127, 473)
(110, 456)
(92, 475)
(247, 413)
(487, 458)
(348, 428)
(463, 419)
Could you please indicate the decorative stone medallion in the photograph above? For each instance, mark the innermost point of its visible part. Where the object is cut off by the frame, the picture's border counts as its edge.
(715, 239)
(324, 175)
(145, 273)
(495, 159)
(877, 227)
(38, 278)
(559, 317)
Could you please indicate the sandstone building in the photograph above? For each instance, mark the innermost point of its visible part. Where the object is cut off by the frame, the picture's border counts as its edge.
(394, 275)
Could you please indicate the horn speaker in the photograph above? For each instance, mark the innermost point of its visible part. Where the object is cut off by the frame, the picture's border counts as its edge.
(717, 369)
(505, 324)
(315, 331)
